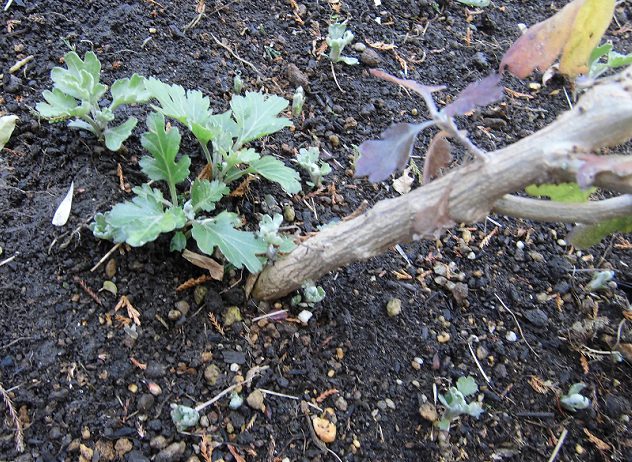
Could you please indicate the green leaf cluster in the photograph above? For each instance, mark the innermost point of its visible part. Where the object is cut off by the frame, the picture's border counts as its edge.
(308, 160)
(76, 95)
(149, 213)
(250, 117)
(614, 60)
(338, 37)
(455, 403)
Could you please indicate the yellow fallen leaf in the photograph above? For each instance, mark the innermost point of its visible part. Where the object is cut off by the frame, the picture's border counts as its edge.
(589, 26)
(572, 32)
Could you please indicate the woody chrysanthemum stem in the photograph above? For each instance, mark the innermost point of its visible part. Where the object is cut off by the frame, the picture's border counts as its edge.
(601, 118)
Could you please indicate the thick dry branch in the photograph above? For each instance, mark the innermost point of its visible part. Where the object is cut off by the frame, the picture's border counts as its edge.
(601, 118)
(586, 212)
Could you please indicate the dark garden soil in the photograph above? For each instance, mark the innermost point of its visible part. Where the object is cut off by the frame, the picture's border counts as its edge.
(85, 390)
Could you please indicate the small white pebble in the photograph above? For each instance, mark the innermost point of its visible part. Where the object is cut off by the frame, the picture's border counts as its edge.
(234, 367)
(511, 336)
(561, 242)
(471, 256)
(304, 316)
(418, 360)
(520, 245)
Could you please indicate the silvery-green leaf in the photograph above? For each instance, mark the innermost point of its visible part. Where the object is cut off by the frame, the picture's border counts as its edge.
(443, 424)
(239, 247)
(467, 385)
(256, 115)
(178, 242)
(144, 218)
(189, 107)
(474, 409)
(205, 194)
(576, 388)
(60, 105)
(349, 60)
(245, 156)
(81, 125)
(63, 210)
(575, 402)
(275, 170)
(184, 417)
(129, 91)
(163, 146)
(115, 136)
(7, 124)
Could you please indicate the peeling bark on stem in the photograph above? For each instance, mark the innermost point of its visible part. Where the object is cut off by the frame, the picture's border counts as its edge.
(601, 118)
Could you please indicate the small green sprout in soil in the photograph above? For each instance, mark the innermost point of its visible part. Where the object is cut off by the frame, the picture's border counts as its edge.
(597, 67)
(269, 233)
(76, 94)
(601, 280)
(573, 400)
(312, 294)
(338, 37)
(238, 84)
(308, 160)
(298, 100)
(455, 403)
(184, 417)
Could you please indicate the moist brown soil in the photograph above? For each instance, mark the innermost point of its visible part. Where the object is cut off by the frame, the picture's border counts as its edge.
(81, 388)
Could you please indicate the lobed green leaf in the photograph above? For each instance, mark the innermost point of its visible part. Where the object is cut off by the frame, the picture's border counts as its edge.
(256, 116)
(239, 247)
(205, 194)
(188, 107)
(140, 220)
(115, 136)
(275, 170)
(129, 91)
(59, 105)
(163, 146)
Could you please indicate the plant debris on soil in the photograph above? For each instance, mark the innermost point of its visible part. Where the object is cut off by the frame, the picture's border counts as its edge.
(92, 360)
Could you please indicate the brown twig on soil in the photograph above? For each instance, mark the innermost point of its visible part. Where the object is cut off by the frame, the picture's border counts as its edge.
(558, 446)
(88, 290)
(252, 373)
(105, 257)
(333, 73)
(236, 56)
(189, 283)
(517, 324)
(19, 435)
(218, 327)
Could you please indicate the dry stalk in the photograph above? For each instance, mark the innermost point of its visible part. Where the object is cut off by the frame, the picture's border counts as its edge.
(19, 435)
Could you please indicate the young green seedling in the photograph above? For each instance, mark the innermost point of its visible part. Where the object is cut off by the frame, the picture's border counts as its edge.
(573, 400)
(269, 233)
(76, 95)
(312, 294)
(455, 403)
(249, 118)
(338, 37)
(596, 67)
(192, 214)
(308, 160)
(297, 102)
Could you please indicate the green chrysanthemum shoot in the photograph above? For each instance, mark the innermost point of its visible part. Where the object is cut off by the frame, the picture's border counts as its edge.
(76, 94)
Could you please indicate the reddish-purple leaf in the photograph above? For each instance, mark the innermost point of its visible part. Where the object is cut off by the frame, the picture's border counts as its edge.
(379, 158)
(423, 90)
(618, 165)
(476, 94)
(438, 156)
